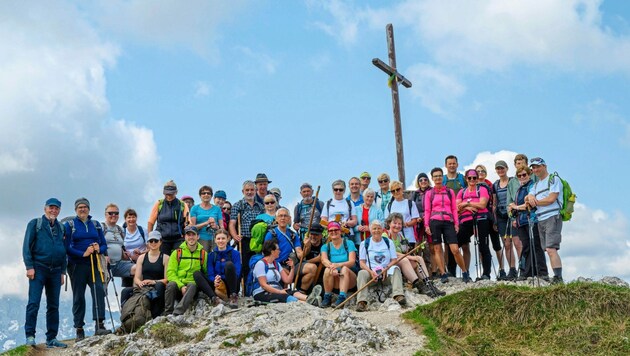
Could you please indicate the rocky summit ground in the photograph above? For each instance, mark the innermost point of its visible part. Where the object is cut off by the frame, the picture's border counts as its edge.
(280, 329)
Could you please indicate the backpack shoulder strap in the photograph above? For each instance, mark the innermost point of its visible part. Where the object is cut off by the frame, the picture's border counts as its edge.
(409, 202)
(142, 233)
(179, 255)
(389, 206)
(350, 206)
(328, 208)
(38, 225)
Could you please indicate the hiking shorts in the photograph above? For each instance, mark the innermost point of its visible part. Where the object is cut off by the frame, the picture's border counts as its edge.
(443, 231)
(504, 225)
(122, 268)
(550, 231)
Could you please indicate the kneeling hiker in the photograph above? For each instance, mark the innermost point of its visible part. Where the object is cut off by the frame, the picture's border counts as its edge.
(189, 258)
(224, 267)
(270, 277)
(377, 256)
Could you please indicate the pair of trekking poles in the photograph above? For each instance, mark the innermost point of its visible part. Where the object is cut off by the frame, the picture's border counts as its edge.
(99, 266)
(532, 254)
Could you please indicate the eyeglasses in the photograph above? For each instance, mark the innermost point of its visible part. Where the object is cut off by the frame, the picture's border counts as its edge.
(522, 175)
(153, 241)
(481, 171)
(396, 190)
(333, 231)
(282, 216)
(423, 180)
(269, 202)
(338, 189)
(383, 181)
(111, 213)
(205, 193)
(472, 178)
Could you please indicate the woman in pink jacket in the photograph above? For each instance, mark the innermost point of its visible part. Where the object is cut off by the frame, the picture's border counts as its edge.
(442, 223)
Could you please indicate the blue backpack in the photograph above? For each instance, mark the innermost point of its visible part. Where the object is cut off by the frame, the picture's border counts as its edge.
(251, 282)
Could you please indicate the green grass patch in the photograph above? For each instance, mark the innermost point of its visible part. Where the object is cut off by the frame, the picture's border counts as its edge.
(19, 351)
(201, 334)
(168, 334)
(235, 341)
(578, 318)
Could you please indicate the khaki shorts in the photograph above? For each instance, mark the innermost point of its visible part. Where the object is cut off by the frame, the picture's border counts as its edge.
(550, 231)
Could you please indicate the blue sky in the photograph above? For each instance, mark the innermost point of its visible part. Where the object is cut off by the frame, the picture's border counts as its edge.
(110, 99)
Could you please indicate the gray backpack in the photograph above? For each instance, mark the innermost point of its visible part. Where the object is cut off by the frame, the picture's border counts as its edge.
(137, 309)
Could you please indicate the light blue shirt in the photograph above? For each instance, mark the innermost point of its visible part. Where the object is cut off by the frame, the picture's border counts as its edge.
(541, 190)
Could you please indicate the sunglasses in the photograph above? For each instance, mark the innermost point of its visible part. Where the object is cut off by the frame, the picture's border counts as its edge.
(269, 202)
(226, 208)
(522, 175)
(153, 241)
(472, 178)
(481, 171)
(338, 189)
(333, 231)
(112, 213)
(205, 193)
(396, 190)
(368, 178)
(383, 181)
(423, 180)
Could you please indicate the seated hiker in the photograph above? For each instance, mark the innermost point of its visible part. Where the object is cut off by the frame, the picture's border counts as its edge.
(270, 278)
(377, 256)
(312, 257)
(339, 258)
(183, 263)
(290, 246)
(151, 271)
(412, 266)
(224, 268)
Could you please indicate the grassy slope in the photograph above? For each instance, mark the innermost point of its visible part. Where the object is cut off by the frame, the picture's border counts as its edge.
(578, 318)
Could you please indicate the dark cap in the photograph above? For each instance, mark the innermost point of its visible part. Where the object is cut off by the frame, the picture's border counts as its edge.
(190, 228)
(317, 229)
(261, 178)
(500, 163)
(81, 201)
(53, 202)
(170, 187)
(422, 175)
(220, 194)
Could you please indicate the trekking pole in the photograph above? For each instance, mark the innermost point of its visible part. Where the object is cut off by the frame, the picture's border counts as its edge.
(531, 247)
(93, 291)
(308, 232)
(240, 249)
(111, 276)
(476, 246)
(377, 276)
(426, 277)
(100, 268)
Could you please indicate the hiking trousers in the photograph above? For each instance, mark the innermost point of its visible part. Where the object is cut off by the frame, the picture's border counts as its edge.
(394, 279)
(539, 254)
(80, 278)
(49, 278)
(173, 293)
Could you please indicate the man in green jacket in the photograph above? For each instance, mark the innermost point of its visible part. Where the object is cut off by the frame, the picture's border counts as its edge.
(185, 260)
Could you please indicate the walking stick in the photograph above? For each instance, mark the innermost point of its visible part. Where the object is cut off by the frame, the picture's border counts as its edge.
(531, 246)
(93, 291)
(476, 246)
(240, 249)
(377, 276)
(308, 232)
(111, 275)
(100, 268)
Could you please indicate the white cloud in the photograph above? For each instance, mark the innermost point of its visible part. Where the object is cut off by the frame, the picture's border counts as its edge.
(345, 20)
(437, 90)
(202, 89)
(57, 139)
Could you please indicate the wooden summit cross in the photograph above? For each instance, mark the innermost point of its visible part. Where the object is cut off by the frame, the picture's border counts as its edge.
(395, 77)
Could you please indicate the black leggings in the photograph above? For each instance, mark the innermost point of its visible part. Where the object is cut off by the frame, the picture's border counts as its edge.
(466, 231)
(527, 257)
(207, 286)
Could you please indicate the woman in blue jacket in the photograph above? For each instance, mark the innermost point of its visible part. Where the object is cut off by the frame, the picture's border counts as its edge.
(224, 268)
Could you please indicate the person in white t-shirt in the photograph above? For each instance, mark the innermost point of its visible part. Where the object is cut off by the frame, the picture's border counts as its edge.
(340, 210)
(406, 208)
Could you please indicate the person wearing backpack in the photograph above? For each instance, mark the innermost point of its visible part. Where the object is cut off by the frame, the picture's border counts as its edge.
(406, 208)
(341, 210)
(289, 242)
(45, 260)
(423, 186)
(366, 212)
(442, 223)
(355, 196)
(502, 220)
(169, 216)
(224, 267)
(455, 181)
(84, 238)
(135, 239)
(206, 218)
(339, 260)
(495, 238)
(117, 257)
(302, 211)
(383, 194)
(546, 195)
(189, 258)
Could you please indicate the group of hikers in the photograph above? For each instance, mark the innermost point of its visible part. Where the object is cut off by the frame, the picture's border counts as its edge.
(325, 250)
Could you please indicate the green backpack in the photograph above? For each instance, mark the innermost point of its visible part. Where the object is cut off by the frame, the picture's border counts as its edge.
(258, 231)
(568, 197)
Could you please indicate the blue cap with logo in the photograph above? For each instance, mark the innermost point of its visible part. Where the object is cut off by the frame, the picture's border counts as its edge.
(537, 161)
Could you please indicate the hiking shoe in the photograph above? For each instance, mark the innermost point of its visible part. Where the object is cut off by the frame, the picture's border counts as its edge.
(326, 301)
(502, 276)
(312, 298)
(546, 279)
(511, 275)
(340, 299)
(557, 280)
(233, 303)
(444, 278)
(55, 343)
(30, 341)
(216, 301)
(80, 334)
(484, 277)
(466, 277)
(401, 300)
(362, 307)
(436, 290)
(101, 330)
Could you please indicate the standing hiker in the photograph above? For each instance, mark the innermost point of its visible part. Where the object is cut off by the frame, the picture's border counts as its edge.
(84, 241)
(302, 211)
(45, 260)
(207, 218)
(169, 216)
(355, 196)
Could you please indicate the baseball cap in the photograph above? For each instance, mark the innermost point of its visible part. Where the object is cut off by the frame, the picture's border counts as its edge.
(220, 194)
(190, 228)
(154, 235)
(365, 175)
(537, 161)
(500, 163)
(53, 202)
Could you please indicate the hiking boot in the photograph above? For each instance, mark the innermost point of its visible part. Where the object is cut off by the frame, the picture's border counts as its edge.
(340, 299)
(312, 298)
(30, 341)
(101, 330)
(233, 303)
(511, 275)
(484, 277)
(521, 278)
(444, 278)
(401, 300)
(466, 277)
(436, 290)
(326, 301)
(546, 279)
(80, 334)
(502, 276)
(55, 343)
(426, 290)
(557, 280)
(362, 306)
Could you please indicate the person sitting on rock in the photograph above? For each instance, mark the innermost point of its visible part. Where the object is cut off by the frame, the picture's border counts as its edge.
(312, 257)
(377, 256)
(270, 278)
(412, 267)
(224, 267)
(339, 258)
